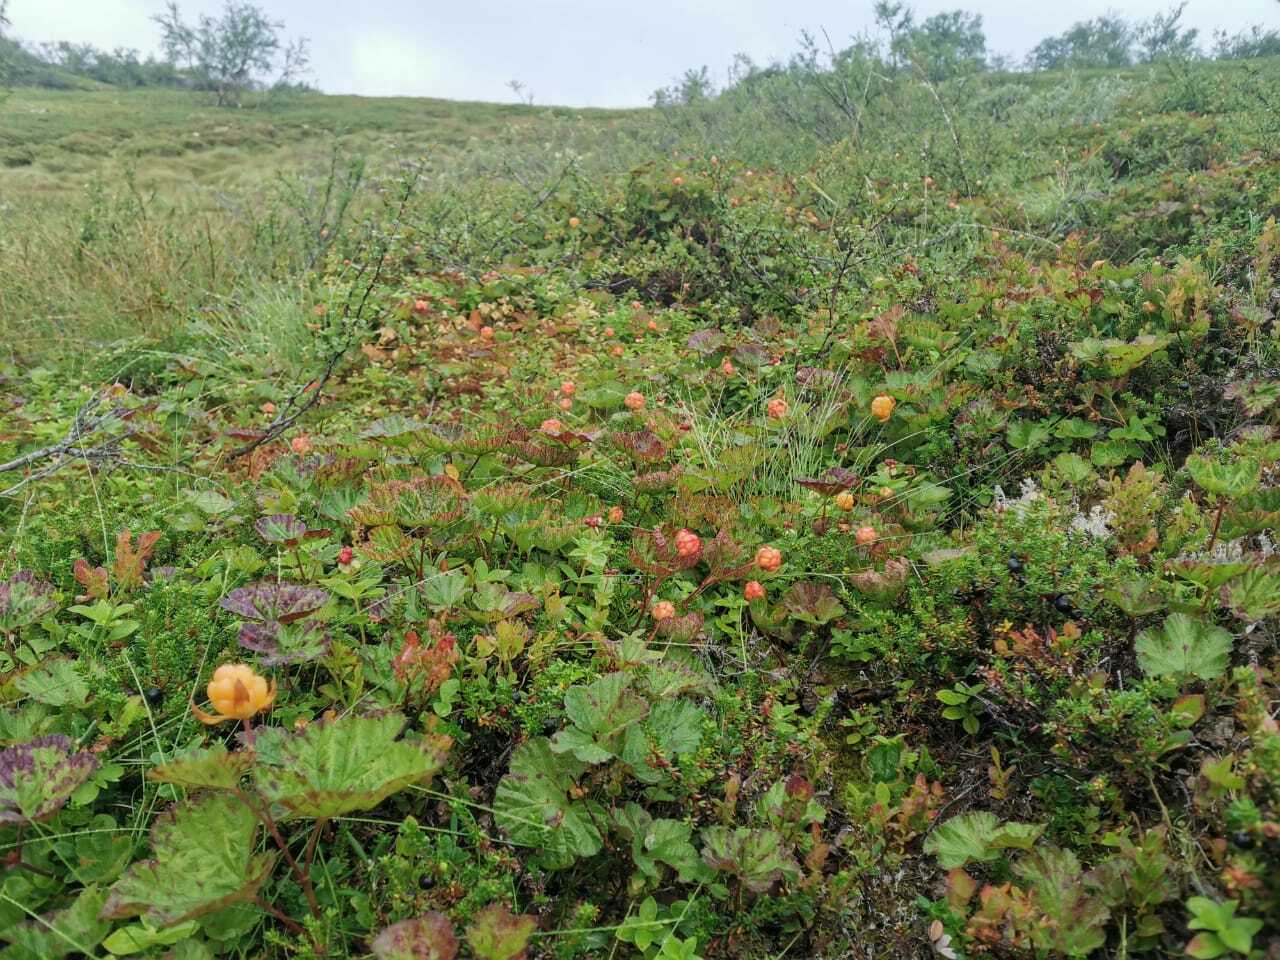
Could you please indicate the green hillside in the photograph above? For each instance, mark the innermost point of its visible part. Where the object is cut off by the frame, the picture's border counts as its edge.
(832, 516)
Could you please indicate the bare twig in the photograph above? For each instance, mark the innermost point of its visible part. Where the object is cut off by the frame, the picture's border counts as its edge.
(306, 396)
(87, 422)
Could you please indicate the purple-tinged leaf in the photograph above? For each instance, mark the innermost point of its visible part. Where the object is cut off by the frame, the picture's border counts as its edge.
(281, 643)
(643, 446)
(883, 585)
(706, 341)
(758, 858)
(812, 602)
(656, 480)
(680, 629)
(282, 528)
(830, 483)
(24, 600)
(280, 602)
(428, 937)
(499, 934)
(38, 777)
(816, 377)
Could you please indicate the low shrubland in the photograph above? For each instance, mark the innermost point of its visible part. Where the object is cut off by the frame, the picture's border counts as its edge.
(659, 535)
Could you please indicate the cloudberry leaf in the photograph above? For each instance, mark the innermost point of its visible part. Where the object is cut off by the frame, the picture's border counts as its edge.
(533, 806)
(977, 836)
(337, 767)
(759, 858)
(428, 937)
(1076, 921)
(23, 601)
(601, 712)
(203, 860)
(204, 767)
(73, 930)
(1184, 647)
(655, 842)
(498, 934)
(38, 777)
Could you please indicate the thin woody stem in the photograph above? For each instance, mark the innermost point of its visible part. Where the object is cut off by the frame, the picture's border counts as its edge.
(293, 925)
(263, 814)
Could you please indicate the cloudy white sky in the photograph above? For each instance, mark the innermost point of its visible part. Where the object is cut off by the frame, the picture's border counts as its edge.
(576, 52)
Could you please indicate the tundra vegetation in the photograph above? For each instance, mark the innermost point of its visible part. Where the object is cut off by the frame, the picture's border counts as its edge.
(830, 513)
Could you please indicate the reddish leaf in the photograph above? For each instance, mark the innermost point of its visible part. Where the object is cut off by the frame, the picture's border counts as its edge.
(93, 579)
(428, 937)
(498, 934)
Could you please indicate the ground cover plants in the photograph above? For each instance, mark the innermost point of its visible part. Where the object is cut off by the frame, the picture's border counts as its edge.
(858, 547)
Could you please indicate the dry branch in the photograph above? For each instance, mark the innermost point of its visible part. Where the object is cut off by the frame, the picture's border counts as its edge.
(88, 421)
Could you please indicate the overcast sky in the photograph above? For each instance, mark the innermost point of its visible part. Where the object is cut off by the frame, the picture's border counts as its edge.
(575, 52)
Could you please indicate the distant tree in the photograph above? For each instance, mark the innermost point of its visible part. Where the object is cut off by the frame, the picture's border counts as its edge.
(694, 87)
(234, 53)
(1105, 41)
(1256, 41)
(1164, 38)
(121, 67)
(943, 45)
(522, 92)
(7, 46)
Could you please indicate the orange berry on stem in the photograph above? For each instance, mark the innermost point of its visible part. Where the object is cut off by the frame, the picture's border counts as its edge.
(688, 544)
(882, 407)
(768, 558)
(237, 693)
